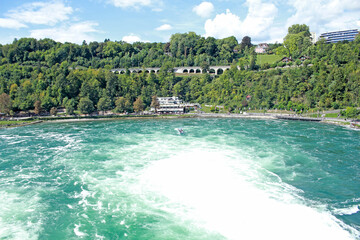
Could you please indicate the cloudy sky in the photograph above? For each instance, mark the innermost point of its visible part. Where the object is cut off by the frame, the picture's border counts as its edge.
(156, 20)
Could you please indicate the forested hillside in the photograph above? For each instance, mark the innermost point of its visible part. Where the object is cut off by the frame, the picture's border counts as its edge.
(43, 74)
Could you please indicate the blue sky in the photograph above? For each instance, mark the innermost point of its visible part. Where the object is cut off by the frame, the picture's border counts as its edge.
(157, 20)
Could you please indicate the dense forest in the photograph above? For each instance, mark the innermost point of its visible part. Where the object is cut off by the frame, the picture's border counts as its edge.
(44, 74)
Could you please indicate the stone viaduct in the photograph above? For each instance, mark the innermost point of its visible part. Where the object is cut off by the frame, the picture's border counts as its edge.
(212, 70)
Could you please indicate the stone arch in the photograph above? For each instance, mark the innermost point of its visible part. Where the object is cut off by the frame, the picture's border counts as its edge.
(192, 71)
(198, 70)
(139, 71)
(122, 72)
(147, 71)
(185, 71)
(220, 71)
(153, 71)
(212, 71)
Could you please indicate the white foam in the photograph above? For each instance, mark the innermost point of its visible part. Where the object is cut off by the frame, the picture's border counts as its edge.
(18, 218)
(78, 232)
(214, 189)
(99, 237)
(347, 211)
(221, 196)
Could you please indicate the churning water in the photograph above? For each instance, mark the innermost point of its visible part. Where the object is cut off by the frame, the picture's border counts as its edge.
(139, 179)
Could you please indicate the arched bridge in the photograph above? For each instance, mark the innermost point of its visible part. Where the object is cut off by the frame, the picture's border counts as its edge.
(212, 70)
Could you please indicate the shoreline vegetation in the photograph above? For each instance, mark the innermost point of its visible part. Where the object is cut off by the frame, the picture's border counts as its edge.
(43, 78)
(263, 116)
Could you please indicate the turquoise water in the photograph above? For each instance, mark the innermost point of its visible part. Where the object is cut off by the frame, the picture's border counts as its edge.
(139, 179)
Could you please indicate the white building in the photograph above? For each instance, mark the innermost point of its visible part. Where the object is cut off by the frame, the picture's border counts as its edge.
(313, 37)
(261, 48)
(173, 105)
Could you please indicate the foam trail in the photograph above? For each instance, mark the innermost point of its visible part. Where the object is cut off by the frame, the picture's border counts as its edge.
(225, 197)
(347, 211)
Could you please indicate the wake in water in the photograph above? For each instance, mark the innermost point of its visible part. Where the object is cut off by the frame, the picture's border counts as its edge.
(225, 194)
(224, 179)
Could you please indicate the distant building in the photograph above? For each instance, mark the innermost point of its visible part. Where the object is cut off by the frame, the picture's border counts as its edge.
(261, 48)
(334, 37)
(313, 37)
(303, 58)
(286, 59)
(173, 105)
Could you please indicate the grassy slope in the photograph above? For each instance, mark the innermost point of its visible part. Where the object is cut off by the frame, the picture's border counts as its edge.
(266, 58)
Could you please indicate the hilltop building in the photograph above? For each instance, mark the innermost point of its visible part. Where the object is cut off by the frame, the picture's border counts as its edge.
(261, 48)
(338, 36)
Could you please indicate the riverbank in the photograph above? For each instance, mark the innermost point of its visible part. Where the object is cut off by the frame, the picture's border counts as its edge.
(340, 122)
(10, 124)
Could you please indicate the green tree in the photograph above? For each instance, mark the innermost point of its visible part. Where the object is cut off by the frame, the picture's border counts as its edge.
(37, 107)
(155, 103)
(122, 105)
(297, 40)
(86, 106)
(104, 104)
(138, 105)
(205, 67)
(245, 42)
(53, 111)
(351, 112)
(70, 106)
(252, 61)
(5, 103)
(298, 28)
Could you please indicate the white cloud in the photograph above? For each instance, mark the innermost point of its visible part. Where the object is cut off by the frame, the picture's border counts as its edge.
(47, 13)
(223, 25)
(204, 9)
(257, 24)
(131, 39)
(75, 33)
(325, 15)
(164, 27)
(130, 3)
(156, 5)
(259, 19)
(11, 23)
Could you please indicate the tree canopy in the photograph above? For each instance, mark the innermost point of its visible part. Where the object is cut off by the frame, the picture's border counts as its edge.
(42, 74)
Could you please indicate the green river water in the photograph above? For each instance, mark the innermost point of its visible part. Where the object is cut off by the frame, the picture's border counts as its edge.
(140, 179)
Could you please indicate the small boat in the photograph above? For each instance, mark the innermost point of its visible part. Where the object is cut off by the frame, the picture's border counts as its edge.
(180, 130)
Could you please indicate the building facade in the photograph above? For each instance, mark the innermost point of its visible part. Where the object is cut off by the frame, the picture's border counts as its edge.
(313, 37)
(173, 105)
(338, 36)
(261, 48)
